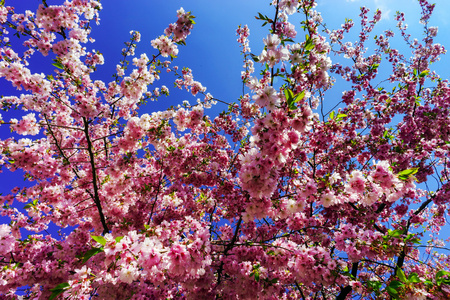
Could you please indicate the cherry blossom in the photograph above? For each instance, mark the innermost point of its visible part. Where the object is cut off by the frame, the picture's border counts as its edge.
(276, 197)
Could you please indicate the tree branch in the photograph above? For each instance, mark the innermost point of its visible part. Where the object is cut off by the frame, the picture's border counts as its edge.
(96, 197)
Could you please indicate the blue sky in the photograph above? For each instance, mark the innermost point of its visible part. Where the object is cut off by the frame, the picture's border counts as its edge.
(212, 51)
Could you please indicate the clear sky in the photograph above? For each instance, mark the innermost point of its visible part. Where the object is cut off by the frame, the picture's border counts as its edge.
(212, 51)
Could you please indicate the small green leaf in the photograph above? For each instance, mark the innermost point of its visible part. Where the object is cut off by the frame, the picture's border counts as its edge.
(374, 285)
(391, 291)
(393, 287)
(332, 114)
(309, 45)
(442, 273)
(99, 239)
(91, 253)
(299, 97)
(340, 117)
(58, 64)
(289, 95)
(118, 239)
(440, 280)
(63, 285)
(255, 57)
(348, 274)
(395, 233)
(428, 282)
(405, 174)
(273, 281)
(414, 278)
(401, 275)
(395, 284)
(424, 73)
(59, 289)
(2, 3)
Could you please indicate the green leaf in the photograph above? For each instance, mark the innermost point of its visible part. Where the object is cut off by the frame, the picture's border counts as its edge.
(332, 114)
(428, 282)
(374, 285)
(391, 291)
(395, 284)
(309, 45)
(2, 3)
(348, 274)
(440, 280)
(273, 281)
(405, 174)
(99, 239)
(32, 204)
(424, 73)
(414, 278)
(290, 98)
(106, 179)
(441, 273)
(393, 287)
(395, 233)
(289, 95)
(412, 239)
(58, 64)
(63, 285)
(255, 57)
(401, 275)
(91, 253)
(59, 289)
(118, 239)
(299, 96)
(340, 117)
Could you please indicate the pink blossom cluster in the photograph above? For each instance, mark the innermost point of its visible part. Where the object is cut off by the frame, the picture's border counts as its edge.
(187, 81)
(276, 197)
(7, 240)
(182, 28)
(166, 46)
(275, 52)
(26, 126)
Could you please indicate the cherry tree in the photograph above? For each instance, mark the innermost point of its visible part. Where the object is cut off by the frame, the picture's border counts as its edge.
(274, 198)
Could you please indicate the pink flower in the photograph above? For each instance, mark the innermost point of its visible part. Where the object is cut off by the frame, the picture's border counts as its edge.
(128, 273)
(7, 241)
(26, 126)
(328, 199)
(356, 182)
(272, 41)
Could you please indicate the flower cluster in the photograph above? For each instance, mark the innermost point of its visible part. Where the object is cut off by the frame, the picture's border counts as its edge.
(276, 197)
